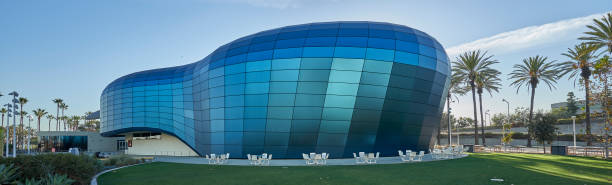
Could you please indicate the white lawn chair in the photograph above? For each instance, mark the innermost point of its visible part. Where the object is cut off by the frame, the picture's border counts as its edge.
(249, 159)
(402, 156)
(213, 157)
(208, 158)
(318, 159)
(307, 159)
(267, 160)
(324, 158)
(357, 159)
(412, 156)
(376, 157)
(420, 156)
(370, 158)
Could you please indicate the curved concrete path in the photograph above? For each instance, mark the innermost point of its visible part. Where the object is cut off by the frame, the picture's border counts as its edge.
(292, 162)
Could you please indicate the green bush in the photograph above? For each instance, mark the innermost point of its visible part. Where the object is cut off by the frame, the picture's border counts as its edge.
(121, 160)
(80, 168)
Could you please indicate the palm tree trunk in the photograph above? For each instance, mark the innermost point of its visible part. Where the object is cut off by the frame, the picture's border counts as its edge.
(57, 119)
(475, 114)
(529, 127)
(38, 124)
(481, 119)
(588, 112)
(49, 128)
(448, 97)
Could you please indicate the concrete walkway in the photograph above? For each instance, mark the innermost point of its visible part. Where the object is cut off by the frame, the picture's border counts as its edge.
(291, 162)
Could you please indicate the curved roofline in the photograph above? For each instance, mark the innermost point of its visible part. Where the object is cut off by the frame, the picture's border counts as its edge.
(115, 133)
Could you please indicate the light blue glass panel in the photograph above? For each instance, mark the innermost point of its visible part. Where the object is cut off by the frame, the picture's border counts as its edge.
(256, 100)
(328, 126)
(342, 89)
(427, 62)
(411, 47)
(379, 54)
(217, 125)
(234, 101)
(216, 114)
(234, 113)
(259, 76)
(257, 88)
(427, 51)
(281, 100)
(337, 113)
(280, 112)
(262, 55)
(347, 64)
(318, 52)
(280, 64)
(349, 52)
(233, 69)
(284, 75)
(258, 65)
(340, 101)
(283, 87)
(274, 125)
(312, 87)
(255, 112)
(406, 58)
(378, 66)
(235, 79)
(316, 63)
(344, 76)
(288, 53)
(216, 72)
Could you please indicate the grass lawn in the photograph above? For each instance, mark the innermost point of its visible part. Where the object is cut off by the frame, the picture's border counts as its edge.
(518, 169)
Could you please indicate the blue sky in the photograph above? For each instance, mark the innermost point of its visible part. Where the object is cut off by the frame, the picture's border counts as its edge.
(73, 49)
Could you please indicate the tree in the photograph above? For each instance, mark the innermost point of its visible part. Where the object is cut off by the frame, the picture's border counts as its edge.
(75, 122)
(464, 122)
(63, 106)
(22, 101)
(572, 107)
(580, 67)
(3, 111)
(20, 131)
(489, 81)
(544, 129)
(50, 118)
(468, 67)
(454, 89)
(58, 102)
(530, 73)
(600, 35)
(39, 114)
(499, 119)
(508, 137)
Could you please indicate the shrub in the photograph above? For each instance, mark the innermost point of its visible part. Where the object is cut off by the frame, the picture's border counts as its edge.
(121, 160)
(81, 168)
(8, 173)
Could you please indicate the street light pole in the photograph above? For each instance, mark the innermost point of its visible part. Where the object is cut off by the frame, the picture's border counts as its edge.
(507, 122)
(574, 130)
(8, 116)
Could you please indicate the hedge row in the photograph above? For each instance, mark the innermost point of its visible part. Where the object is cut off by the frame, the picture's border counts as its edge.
(80, 168)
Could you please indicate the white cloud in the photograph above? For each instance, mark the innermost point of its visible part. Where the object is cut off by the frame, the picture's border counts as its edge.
(525, 37)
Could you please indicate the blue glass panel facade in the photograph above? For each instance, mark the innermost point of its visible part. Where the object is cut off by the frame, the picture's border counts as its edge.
(335, 87)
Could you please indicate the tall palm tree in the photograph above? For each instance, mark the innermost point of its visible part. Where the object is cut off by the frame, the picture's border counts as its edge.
(600, 34)
(58, 102)
(63, 106)
(3, 111)
(39, 114)
(467, 67)
(580, 67)
(75, 122)
(529, 74)
(22, 101)
(50, 118)
(487, 81)
(454, 89)
(21, 130)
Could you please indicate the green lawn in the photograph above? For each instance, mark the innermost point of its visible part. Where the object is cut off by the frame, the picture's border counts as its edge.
(518, 169)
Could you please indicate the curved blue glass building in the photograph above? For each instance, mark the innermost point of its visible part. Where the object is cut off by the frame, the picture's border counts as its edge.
(335, 87)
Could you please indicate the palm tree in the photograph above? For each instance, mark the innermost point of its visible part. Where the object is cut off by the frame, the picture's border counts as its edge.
(75, 122)
(601, 33)
(487, 80)
(58, 102)
(50, 118)
(63, 107)
(529, 74)
(467, 68)
(3, 111)
(454, 89)
(21, 131)
(39, 114)
(580, 67)
(22, 101)
(64, 120)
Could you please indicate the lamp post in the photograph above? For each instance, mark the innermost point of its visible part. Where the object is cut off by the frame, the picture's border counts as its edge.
(507, 122)
(574, 130)
(29, 131)
(8, 116)
(450, 135)
(15, 101)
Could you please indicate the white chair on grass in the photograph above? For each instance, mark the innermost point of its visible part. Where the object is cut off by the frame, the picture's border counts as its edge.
(412, 156)
(268, 159)
(357, 159)
(420, 156)
(324, 158)
(307, 159)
